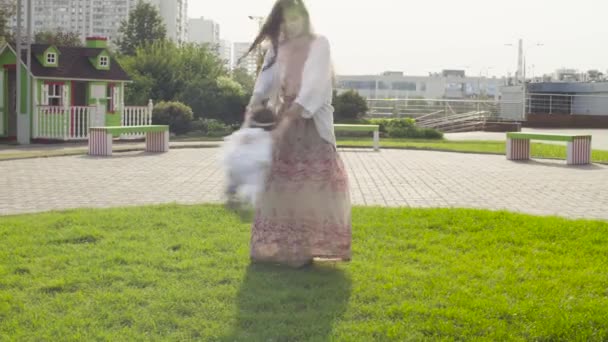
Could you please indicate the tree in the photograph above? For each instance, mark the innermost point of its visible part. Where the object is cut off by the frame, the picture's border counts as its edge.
(191, 74)
(349, 106)
(175, 114)
(143, 27)
(58, 38)
(155, 73)
(242, 77)
(8, 8)
(224, 100)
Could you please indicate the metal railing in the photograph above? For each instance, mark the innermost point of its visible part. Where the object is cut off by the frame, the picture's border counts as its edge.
(422, 108)
(448, 115)
(566, 104)
(456, 122)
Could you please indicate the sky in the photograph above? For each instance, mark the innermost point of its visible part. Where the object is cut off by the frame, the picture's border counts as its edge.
(419, 37)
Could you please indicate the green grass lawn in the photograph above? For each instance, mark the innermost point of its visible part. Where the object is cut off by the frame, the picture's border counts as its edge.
(182, 273)
(539, 150)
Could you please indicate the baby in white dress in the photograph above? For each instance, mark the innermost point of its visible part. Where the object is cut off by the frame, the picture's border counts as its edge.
(247, 156)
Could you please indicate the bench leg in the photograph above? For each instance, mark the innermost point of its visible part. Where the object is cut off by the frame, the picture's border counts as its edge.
(157, 141)
(518, 149)
(579, 151)
(376, 140)
(100, 144)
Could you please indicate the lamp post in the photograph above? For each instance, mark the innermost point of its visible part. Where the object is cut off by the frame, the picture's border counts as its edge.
(522, 69)
(258, 19)
(23, 122)
(487, 73)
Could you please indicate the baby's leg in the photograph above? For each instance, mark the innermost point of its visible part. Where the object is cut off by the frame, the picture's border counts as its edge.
(254, 186)
(233, 182)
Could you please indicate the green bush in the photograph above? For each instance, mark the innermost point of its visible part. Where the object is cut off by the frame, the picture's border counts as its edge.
(199, 126)
(383, 123)
(349, 106)
(405, 128)
(175, 114)
(431, 133)
(212, 127)
(402, 128)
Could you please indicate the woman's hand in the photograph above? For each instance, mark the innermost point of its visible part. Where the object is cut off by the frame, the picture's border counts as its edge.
(288, 117)
(255, 104)
(279, 131)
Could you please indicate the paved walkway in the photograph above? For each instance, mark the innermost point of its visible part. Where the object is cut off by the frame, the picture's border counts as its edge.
(388, 178)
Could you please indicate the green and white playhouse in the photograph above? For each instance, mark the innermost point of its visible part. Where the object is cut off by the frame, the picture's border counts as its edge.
(72, 89)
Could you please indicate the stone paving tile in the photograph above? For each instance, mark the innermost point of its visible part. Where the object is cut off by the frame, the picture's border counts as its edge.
(388, 178)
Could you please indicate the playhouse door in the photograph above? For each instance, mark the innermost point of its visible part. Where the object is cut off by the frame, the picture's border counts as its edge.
(98, 115)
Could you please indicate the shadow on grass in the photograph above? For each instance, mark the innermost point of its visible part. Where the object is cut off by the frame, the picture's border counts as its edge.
(281, 304)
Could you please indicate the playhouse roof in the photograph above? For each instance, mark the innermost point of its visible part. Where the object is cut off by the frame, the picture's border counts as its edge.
(74, 63)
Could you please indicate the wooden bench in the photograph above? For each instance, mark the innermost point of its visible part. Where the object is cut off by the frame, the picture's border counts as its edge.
(100, 138)
(361, 128)
(579, 146)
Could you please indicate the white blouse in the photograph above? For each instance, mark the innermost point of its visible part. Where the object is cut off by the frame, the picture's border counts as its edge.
(316, 90)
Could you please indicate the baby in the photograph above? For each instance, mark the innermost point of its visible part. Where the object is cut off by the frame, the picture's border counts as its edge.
(247, 155)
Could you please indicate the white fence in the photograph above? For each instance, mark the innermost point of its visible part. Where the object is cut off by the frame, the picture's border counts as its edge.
(72, 123)
(136, 116)
(62, 123)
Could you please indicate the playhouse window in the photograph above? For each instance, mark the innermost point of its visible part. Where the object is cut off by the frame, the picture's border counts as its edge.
(55, 94)
(104, 61)
(51, 58)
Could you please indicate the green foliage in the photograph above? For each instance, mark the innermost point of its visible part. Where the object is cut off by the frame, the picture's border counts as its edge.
(398, 128)
(58, 38)
(7, 11)
(349, 106)
(406, 128)
(175, 114)
(211, 128)
(189, 73)
(383, 123)
(143, 27)
(242, 77)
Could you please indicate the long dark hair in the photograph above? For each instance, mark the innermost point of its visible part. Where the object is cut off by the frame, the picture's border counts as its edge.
(271, 29)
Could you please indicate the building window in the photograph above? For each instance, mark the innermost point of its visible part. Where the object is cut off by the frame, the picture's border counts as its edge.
(55, 95)
(51, 58)
(382, 85)
(410, 86)
(358, 85)
(104, 61)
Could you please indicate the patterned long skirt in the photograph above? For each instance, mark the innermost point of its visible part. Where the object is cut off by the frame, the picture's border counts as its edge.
(305, 209)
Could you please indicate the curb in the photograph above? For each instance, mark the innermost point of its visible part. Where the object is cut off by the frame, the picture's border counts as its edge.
(215, 145)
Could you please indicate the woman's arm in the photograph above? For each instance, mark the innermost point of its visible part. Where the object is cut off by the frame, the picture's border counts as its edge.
(316, 75)
(312, 96)
(264, 83)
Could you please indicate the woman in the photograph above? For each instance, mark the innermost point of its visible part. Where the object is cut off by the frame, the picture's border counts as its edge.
(305, 211)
